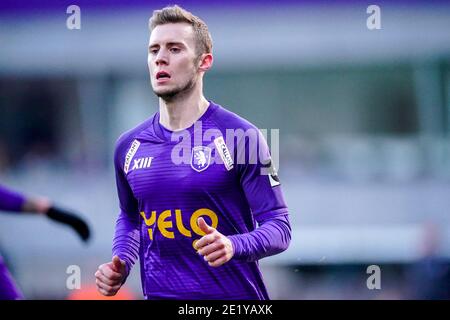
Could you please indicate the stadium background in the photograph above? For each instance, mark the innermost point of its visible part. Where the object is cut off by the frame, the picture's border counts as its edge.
(364, 119)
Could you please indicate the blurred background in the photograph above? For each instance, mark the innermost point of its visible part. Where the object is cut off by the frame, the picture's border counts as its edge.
(364, 119)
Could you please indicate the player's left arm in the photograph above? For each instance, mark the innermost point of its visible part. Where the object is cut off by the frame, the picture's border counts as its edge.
(262, 189)
(271, 237)
(215, 247)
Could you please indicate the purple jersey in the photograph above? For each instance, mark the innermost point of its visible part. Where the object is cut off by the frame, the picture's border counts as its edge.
(164, 186)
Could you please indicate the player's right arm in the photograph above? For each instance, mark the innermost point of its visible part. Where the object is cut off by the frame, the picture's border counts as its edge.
(111, 275)
(262, 190)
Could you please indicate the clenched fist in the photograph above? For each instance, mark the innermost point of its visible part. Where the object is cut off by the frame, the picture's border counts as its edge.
(215, 247)
(110, 276)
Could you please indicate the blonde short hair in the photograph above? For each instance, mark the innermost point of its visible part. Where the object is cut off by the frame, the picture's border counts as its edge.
(176, 14)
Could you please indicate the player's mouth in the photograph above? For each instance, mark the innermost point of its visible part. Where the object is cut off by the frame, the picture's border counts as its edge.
(162, 76)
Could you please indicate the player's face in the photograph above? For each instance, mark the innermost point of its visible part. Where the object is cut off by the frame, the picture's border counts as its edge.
(172, 59)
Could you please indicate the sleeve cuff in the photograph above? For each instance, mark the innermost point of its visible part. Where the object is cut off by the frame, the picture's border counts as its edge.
(237, 246)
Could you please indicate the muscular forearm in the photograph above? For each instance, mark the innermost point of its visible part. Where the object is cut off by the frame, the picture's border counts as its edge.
(271, 237)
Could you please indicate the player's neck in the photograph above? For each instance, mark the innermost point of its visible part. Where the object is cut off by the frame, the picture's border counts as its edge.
(180, 114)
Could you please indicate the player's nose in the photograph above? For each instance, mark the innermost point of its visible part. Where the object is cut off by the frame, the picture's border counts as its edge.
(161, 58)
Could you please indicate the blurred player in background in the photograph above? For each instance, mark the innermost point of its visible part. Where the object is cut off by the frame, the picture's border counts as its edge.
(192, 225)
(12, 201)
(428, 278)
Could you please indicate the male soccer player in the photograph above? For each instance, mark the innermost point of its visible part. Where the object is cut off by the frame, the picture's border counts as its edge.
(16, 202)
(192, 223)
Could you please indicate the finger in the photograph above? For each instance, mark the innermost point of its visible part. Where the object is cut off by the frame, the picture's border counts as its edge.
(108, 272)
(218, 262)
(211, 248)
(109, 289)
(102, 278)
(205, 240)
(204, 226)
(215, 255)
(118, 264)
(103, 292)
(104, 286)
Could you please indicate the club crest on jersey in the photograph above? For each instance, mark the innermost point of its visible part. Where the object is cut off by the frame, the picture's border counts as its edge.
(200, 158)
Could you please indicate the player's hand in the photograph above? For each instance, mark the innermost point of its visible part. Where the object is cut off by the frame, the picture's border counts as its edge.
(110, 276)
(39, 205)
(215, 248)
(70, 219)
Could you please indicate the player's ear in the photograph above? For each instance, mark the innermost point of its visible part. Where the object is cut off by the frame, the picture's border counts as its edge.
(205, 62)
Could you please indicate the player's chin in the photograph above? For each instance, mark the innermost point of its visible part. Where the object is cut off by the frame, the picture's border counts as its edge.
(162, 91)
